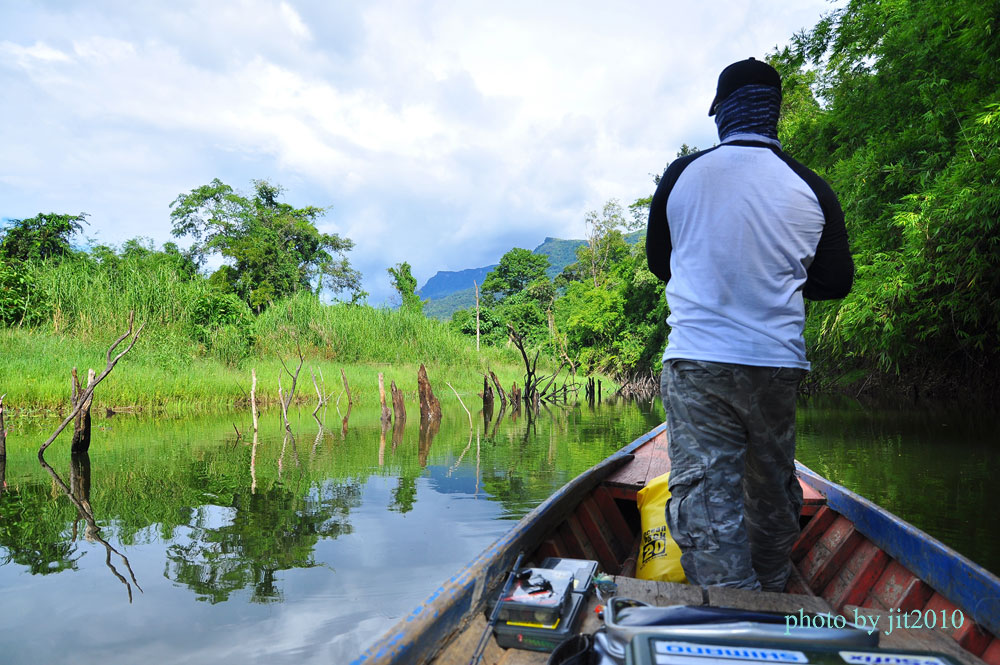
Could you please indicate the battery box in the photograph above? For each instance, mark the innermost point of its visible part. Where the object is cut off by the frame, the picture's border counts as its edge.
(539, 596)
(583, 571)
(540, 637)
(653, 649)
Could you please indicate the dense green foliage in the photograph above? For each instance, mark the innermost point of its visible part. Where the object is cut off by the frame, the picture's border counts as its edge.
(405, 285)
(274, 249)
(518, 269)
(605, 312)
(896, 104)
(16, 289)
(44, 236)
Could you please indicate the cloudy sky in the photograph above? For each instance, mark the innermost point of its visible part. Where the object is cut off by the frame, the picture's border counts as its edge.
(439, 132)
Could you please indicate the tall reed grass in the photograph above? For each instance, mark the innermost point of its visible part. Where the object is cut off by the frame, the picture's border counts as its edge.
(87, 303)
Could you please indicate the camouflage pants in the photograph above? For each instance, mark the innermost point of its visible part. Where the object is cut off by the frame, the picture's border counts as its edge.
(735, 500)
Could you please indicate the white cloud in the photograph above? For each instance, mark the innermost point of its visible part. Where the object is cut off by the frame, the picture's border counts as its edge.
(441, 132)
(26, 55)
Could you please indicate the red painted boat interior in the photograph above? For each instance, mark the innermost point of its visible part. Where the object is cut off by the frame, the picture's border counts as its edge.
(835, 560)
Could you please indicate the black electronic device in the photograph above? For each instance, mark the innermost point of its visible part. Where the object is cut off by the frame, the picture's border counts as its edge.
(538, 596)
(535, 636)
(583, 571)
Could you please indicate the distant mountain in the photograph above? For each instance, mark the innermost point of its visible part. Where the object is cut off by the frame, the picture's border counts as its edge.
(449, 291)
(442, 308)
(446, 282)
(561, 253)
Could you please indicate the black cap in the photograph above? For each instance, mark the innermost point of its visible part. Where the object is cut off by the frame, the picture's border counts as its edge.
(744, 72)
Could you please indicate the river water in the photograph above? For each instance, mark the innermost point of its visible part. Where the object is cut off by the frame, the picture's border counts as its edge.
(305, 549)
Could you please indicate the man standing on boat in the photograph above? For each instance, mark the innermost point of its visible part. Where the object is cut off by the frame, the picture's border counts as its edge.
(741, 233)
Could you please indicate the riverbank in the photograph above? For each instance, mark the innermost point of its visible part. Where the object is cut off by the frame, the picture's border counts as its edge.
(164, 378)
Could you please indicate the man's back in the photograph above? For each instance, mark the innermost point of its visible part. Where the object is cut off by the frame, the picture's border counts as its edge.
(741, 234)
(744, 223)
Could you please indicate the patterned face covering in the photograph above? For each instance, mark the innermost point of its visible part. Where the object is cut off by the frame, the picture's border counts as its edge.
(752, 109)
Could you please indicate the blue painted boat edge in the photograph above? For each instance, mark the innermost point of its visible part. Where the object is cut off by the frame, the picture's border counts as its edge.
(464, 592)
(975, 590)
(642, 440)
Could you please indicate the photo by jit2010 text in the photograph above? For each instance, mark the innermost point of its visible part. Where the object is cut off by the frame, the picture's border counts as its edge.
(895, 619)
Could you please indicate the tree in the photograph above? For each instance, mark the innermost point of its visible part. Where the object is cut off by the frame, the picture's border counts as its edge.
(275, 250)
(517, 269)
(406, 286)
(605, 242)
(41, 237)
(895, 104)
(20, 301)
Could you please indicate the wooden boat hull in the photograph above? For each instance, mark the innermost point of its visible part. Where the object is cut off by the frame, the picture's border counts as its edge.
(850, 553)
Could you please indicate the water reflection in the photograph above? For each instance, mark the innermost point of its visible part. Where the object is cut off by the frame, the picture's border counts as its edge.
(350, 540)
(244, 544)
(78, 493)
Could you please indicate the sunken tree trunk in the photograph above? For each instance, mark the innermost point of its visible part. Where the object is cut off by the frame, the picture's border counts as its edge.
(3, 432)
(487, 394)
(81, 424)
(398, 407)
(253, 399)
(399, 414)
(86, 395)
(347, 388)
(500, 392)
(3, 450)
(386, 416)
(487, 402)
(430, 406)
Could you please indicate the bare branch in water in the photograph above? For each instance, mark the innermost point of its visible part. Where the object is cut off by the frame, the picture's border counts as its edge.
(93, 530)
(89, 391)
(460, 402)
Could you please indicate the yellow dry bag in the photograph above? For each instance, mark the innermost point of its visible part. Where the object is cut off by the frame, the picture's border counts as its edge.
(659, 555)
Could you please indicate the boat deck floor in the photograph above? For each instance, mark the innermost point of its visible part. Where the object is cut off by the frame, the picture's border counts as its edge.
(651, 461)
(667, 593)
(658, 593)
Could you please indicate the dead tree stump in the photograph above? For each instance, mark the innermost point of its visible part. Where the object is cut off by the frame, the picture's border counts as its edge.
(81, 423)
(399, 413)
(86, 395)
(500, 392)
(487, 394)
(253, 398)
(487, 403)
(3, 450)
(398, 407)
(386, 416)
(347, 389)
(430, 406)
(3, 432)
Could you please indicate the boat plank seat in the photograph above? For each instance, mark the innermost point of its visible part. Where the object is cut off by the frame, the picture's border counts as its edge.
(658, 593)
(651, 460)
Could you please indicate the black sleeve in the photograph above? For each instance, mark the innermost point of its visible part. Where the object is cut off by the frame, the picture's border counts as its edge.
(831, 274)
(658, 246)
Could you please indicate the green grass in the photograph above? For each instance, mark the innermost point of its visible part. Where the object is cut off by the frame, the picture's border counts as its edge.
(84, 305)
(35, 374)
